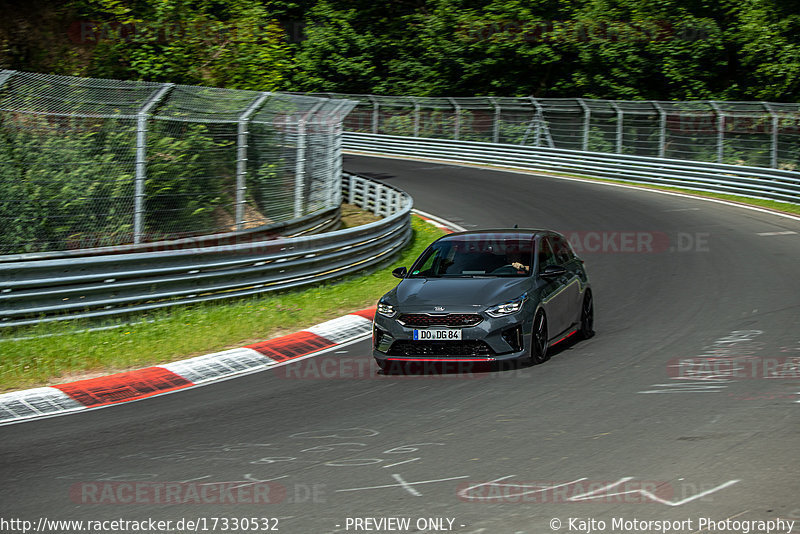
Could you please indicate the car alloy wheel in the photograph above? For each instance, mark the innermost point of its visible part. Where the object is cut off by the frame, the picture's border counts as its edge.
(539, 339)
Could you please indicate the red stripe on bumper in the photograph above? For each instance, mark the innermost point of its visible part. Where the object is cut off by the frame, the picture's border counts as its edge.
(122, 387)
(292, 346)
(448, 359)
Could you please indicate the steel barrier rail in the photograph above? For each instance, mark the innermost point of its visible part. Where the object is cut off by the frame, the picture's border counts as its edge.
(756, 182)
(43, 290)
(312, 223)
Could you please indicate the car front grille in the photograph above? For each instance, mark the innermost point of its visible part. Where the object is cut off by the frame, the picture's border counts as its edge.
(475, 348)
(453, 320)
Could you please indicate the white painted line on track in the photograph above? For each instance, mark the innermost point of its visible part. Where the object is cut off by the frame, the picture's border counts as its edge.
(787, 232)
(444, 222)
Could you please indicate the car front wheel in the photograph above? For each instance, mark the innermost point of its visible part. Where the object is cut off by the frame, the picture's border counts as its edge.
(539, 339)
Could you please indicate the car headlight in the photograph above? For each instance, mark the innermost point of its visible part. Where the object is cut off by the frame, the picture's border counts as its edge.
(386, 309)
(508, 308)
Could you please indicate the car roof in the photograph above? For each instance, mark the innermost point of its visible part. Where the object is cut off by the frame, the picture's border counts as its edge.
(509, 233)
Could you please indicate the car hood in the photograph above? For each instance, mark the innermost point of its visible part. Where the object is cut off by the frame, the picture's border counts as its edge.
(460, 294)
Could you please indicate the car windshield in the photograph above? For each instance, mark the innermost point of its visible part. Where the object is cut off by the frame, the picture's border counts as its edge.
(474, 256)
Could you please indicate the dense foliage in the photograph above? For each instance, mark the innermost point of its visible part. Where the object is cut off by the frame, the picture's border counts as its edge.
(625, 49)
(72, 186)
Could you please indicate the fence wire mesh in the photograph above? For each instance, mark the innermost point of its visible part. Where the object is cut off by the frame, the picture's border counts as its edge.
(762, 134)
(89, 162)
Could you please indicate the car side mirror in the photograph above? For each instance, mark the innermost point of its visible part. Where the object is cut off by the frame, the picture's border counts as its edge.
(400, 272)
(553, 271)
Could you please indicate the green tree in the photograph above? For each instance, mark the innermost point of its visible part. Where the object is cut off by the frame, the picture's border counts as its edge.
(233, 44)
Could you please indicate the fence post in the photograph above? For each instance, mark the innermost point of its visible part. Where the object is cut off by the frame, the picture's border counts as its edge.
(720, 130)
(241, 156)
(6, 75)
(416, 116)
(496, 130)
(542, 127)
(662, 129)
(335, 154)
(457, 125)
(587, 117)
(300, 164)
(620, 119)
(773, 153)
(141, 159)
(375, 111)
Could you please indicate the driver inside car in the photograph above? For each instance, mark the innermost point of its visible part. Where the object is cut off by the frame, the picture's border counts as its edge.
(517, 260)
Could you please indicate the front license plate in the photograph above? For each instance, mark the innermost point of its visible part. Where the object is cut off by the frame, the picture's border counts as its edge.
(437, 335)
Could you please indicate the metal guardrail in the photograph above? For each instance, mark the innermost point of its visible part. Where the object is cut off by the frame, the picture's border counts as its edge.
(104, 285)
(313, 223)
(756, 182)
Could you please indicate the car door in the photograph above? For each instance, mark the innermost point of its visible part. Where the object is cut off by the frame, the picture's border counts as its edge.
(572, 281)
(552, 290)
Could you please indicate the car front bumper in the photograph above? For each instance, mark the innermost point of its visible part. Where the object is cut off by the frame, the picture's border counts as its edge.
(493, 339)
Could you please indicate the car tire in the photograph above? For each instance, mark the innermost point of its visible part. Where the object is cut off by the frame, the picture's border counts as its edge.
(539, 345)
(587, 316)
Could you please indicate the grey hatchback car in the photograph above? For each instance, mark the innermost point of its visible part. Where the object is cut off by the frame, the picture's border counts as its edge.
(487, 295)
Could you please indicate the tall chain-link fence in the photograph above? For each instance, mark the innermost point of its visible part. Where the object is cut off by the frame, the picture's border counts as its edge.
(91, 162)
(763, 134)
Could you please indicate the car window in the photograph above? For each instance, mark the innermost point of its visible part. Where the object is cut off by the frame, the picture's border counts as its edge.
(546, 254)
(562, 250)
(475, 256)
(428, 265)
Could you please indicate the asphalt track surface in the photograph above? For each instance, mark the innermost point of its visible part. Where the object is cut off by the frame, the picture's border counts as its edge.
(605, 429)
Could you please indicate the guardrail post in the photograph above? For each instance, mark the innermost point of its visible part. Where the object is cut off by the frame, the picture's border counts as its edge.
(141, 159)
(241, 156)
(773, 153)
(587, 117)
(351, 189)
(620, 119)
(720, 130)
(300, 164)
(457, 125)
(497, 110)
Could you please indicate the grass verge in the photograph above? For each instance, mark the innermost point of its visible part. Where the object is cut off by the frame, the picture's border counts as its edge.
(67, 353)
